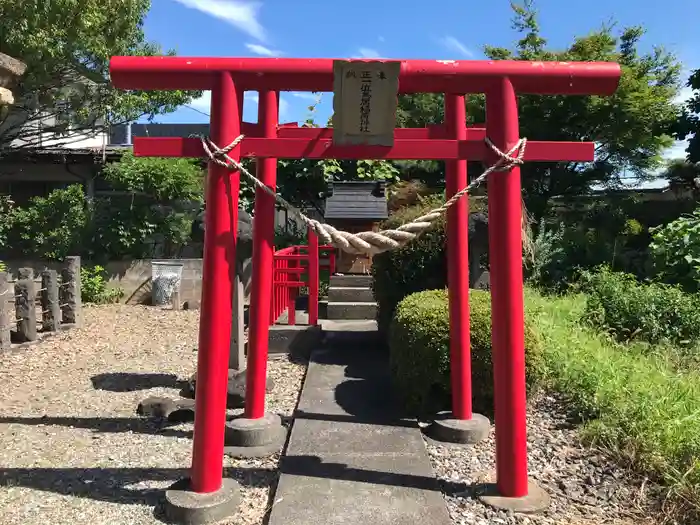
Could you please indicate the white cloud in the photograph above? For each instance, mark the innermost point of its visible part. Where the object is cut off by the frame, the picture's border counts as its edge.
(203, 103)
(366, 52)
(262, 50)
(677, 151)
(304, 95)
(684, 95)
(240, 14)
(454, 45)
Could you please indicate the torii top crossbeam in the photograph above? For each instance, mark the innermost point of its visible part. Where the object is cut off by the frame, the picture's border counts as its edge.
(316, 74)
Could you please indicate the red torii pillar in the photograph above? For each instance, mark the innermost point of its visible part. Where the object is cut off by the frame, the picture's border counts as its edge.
(500, 80)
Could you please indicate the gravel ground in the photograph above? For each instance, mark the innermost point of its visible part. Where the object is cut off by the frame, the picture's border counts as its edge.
(72, 448)
(586, 487)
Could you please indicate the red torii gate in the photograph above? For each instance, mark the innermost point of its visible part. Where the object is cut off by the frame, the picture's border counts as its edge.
(453, 142)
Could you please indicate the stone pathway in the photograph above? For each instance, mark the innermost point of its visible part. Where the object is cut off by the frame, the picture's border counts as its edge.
(348, 459)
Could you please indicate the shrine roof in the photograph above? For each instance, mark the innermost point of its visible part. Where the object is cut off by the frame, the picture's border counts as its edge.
(356, 200)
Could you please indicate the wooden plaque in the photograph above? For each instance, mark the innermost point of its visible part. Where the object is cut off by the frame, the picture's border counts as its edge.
(364, 102)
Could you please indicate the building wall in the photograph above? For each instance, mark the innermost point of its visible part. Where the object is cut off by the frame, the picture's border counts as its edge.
(23, 180)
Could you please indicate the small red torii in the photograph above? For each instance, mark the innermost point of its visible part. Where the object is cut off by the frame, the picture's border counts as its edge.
(452, 141)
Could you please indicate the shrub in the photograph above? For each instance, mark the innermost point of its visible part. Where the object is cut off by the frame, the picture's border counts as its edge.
(548, 254)
(676, 251)
(420, 265)
(419, 345)
(94, 289)
(651, 312)
(50, 227)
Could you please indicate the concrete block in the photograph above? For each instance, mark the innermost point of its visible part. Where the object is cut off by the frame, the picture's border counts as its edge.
(352, 310)
(285, 339)
(357, 281)
(350, 294)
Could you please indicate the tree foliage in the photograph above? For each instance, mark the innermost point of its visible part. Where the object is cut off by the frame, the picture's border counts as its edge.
(631, 128)
(689, 122)
(155, 202)
(52, 227)
(684, 175)
(676, 251)
(67, 45)
(159, 201)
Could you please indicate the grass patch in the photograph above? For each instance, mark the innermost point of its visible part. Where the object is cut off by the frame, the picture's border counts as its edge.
(637, 404)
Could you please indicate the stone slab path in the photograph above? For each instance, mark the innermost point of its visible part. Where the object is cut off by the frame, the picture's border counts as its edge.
(349, 459)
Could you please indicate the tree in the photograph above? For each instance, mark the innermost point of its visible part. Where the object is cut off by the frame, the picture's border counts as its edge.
(159, 201)
(631, 128)
(685, 175)
(67, 45)
(155, 201)
(689, 121)
(50, 227)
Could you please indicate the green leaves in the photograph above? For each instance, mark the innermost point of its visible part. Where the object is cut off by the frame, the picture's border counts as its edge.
(653, 312)
(155, 202)
(676, 251)
(689, 122)
(52, 227)
(163, 179)
(67, 45)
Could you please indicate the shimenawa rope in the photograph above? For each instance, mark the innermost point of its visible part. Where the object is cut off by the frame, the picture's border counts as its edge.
(368, 242)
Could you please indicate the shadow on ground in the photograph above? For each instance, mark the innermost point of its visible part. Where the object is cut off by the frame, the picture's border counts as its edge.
(132, 382)
(115, 425)
(314, 466)
(115, 485)
(367, 371)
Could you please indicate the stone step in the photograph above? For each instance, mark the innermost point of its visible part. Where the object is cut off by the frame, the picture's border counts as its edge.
(351, 281)
(358, 332)
(340, 294)
(352, 310)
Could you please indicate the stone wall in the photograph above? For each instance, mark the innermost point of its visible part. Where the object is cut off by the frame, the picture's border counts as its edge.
(134, 277)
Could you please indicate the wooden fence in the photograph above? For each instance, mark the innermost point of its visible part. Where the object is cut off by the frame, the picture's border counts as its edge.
(30, 306)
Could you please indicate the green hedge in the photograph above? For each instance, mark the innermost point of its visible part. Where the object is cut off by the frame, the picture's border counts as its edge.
(420, 265)
(419, 341)
(629, 309)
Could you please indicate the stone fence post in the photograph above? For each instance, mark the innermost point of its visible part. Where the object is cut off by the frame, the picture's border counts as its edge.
(6, 322)
(71, 304)
(25, 307)
(50, 305)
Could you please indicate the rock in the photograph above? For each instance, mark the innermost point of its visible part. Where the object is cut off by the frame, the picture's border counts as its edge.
(10, 71)
(6, 97)
(173, 410)
(235, 390)
(483, 282)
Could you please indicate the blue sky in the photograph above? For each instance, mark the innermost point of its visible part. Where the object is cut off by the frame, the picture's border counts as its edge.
(446, 29)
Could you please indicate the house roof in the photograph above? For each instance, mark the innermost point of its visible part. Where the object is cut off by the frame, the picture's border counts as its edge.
(356, 200)
(118, 134)
(62, 155)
